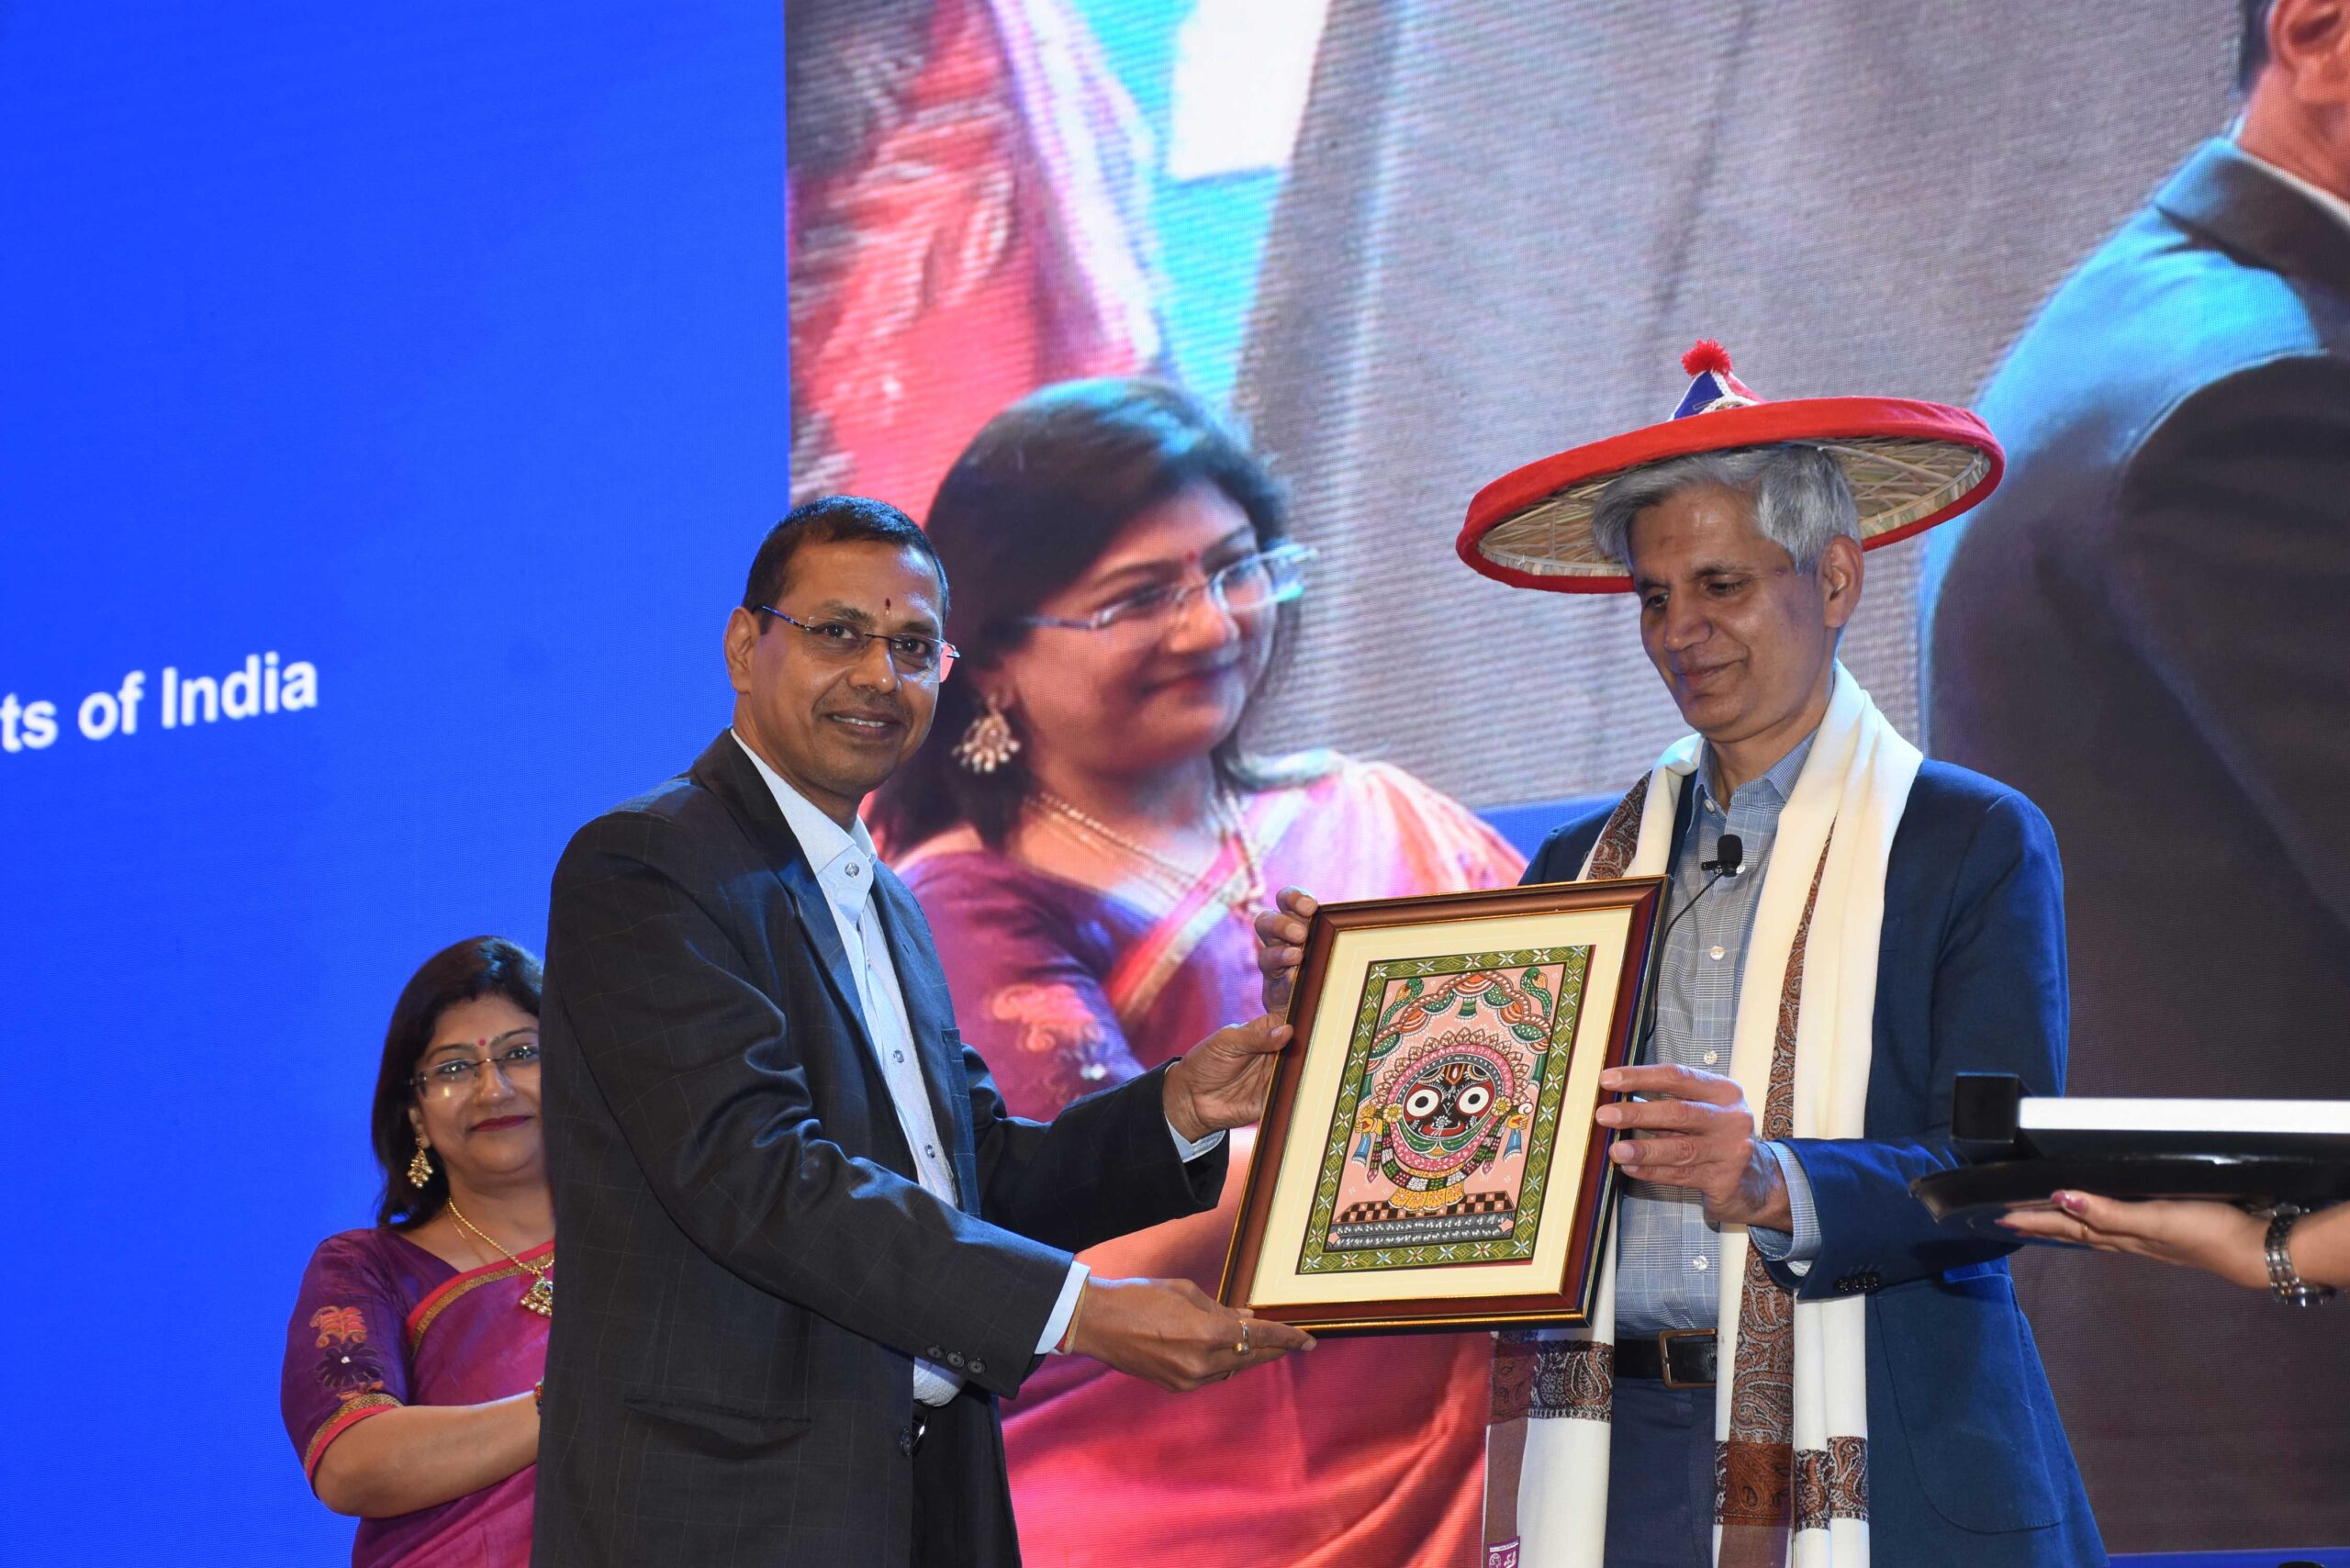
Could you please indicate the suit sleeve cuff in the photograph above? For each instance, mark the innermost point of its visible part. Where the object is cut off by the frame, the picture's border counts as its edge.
(1188, 1149)
(1796, 1247)
(1064, 1309)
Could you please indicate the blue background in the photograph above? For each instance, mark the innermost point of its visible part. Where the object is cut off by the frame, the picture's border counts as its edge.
(440, 345)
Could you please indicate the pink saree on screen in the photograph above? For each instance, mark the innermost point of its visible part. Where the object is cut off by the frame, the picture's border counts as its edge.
(381, 1323)
(1364, 1452)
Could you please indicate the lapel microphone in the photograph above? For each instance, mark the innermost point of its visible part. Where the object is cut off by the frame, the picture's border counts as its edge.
(1729, 854)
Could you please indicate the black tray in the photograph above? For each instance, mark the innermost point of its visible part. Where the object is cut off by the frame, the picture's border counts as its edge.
(1978, 1194)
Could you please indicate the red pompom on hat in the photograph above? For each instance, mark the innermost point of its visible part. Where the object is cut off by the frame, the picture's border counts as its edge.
(1911, 465)
(1704, 355)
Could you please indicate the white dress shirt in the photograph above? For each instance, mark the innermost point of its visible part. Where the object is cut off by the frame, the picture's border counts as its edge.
(844, 860)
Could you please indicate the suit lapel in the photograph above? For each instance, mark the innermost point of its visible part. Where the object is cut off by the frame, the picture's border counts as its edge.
(2226, 195)
(725, 771)
(728, 773)
(930, 1018)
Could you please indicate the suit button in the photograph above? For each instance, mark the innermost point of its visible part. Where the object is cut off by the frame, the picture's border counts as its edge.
(978, 1368)
(954, 1358)
(933, 1353)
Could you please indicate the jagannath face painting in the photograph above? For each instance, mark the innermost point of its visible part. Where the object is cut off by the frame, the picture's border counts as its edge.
(1443, 1114)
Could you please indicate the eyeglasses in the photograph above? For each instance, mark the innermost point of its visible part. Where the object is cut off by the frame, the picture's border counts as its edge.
(1252, 584)
(837, 642)
(512, 1054)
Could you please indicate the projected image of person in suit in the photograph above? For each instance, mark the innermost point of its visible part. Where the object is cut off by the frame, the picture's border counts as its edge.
(2143, 630)
(415, 1347)
(809, 1248)
(1091, 850)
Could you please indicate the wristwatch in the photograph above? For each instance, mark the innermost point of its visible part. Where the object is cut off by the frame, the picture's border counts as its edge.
(2283, 1278)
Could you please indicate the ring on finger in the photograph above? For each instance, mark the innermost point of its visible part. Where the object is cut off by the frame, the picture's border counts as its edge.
(1242, 1347)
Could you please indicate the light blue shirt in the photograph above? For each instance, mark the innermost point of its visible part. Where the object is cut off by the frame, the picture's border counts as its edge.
(844, 860)
(1668, 1260)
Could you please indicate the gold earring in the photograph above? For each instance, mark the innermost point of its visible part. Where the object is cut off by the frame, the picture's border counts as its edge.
(420, 1170)
(988, 743)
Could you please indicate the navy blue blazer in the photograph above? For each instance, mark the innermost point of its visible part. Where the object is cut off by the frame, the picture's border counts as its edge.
(1968, 1465)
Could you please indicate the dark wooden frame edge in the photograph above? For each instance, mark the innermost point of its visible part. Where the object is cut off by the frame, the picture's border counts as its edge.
(1571, 1304)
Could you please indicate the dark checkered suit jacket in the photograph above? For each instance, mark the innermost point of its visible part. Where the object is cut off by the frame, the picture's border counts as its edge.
(749, 1267)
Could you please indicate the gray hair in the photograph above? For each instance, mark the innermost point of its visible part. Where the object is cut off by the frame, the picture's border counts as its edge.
(1798, 490)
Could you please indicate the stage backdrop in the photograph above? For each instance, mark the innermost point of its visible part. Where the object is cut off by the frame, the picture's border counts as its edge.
(400, 391)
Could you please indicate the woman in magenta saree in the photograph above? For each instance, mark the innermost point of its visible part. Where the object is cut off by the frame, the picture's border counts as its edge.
(415, 1349)
(1120, 573)
(383, 1324)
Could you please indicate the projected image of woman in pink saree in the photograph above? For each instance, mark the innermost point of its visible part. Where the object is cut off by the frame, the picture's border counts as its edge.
(1090, 841)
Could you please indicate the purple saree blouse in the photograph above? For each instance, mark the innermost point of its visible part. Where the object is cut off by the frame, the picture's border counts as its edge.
(381, 1323)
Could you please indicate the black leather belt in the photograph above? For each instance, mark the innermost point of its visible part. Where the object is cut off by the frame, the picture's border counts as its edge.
(1681, 1358)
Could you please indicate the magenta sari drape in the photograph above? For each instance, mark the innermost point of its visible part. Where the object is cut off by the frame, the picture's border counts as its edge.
(382, 1323)
(1365, 1452)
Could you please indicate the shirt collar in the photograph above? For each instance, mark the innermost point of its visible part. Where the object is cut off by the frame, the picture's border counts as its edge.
(823, 841)
(1779, 783)
(2335, 206)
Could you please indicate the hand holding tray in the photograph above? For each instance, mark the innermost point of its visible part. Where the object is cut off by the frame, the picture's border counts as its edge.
(2020, 1148)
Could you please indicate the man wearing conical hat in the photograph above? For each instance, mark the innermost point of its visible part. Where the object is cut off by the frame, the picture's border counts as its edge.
(1789, 1362)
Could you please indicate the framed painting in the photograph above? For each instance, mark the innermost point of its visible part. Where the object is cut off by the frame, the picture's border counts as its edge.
(1427, 1157)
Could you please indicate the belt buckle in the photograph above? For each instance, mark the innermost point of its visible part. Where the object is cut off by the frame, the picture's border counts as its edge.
(1664, 1356)
(917, 1428)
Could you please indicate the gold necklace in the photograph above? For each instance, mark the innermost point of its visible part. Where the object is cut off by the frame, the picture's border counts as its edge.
(540, 1297)
(1230, 826)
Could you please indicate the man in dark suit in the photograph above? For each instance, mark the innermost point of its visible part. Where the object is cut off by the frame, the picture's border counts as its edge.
(805, 1249)
(2146, 629)
(1964, 1463)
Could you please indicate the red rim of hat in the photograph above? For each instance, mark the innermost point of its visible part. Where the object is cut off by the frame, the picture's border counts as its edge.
(1831, 423)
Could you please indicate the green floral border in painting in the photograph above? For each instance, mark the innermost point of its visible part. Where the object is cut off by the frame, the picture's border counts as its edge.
(1540, 1138)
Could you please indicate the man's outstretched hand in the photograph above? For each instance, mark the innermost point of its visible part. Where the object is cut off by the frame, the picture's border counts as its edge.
(1169, 1332)
(1281, 945)
(1221, 1082)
